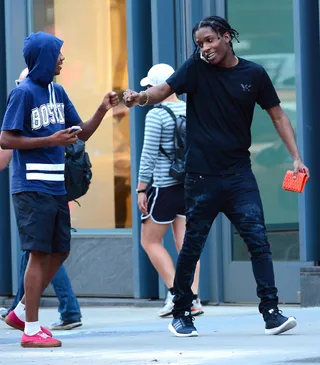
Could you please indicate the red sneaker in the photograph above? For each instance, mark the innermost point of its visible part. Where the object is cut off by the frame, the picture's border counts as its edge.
(13, 321)
(40, 339)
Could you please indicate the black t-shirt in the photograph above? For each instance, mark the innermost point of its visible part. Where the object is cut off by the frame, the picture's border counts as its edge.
(220, 105)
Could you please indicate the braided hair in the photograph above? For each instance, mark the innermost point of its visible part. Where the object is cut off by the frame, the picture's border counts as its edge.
(218, 25)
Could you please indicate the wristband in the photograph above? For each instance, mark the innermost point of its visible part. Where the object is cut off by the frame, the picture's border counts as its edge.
(140, 191)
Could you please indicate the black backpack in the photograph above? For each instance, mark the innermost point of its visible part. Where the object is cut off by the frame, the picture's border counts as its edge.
(77, 172)
(177, 168)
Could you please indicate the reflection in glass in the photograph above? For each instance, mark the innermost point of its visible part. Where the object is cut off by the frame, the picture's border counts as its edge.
(266, 37)
(94, 34)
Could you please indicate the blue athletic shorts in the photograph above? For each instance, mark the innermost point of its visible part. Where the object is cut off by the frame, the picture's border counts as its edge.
(43, 222)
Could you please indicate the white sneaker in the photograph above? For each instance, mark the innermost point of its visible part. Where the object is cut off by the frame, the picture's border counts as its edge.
(196, 309)
(166, 310)
(3, 313)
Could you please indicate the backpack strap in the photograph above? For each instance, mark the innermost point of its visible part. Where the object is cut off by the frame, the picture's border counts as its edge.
(168, 110)
(163, 151)
(173, 116)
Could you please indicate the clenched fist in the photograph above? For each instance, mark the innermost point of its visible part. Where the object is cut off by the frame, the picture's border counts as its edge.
(131, 98)
(110, 100)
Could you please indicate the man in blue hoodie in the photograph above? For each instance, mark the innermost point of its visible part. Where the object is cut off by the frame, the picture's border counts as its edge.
(69, 308)
(38, 125)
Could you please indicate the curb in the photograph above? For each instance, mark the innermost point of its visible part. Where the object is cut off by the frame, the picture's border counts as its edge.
(51, 302)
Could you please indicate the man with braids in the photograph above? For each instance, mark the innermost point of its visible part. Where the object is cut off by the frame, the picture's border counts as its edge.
(222, 90)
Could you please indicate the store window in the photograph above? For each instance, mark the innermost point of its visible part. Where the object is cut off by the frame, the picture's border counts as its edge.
(266, 37)
(94, 34)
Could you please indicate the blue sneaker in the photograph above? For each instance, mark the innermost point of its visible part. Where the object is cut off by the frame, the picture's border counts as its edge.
(276, 323)
(183, 326)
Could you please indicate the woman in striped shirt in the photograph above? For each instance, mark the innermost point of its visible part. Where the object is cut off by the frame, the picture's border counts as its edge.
(163, 203)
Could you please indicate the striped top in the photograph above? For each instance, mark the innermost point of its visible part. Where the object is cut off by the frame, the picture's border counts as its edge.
(159, 129)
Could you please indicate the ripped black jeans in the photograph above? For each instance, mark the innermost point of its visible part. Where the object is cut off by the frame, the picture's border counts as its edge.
(237, 196)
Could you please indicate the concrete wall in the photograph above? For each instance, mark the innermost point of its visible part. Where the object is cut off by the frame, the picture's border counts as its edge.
(100, 266)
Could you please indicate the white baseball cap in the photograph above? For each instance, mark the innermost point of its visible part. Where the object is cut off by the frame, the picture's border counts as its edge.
(157, 75)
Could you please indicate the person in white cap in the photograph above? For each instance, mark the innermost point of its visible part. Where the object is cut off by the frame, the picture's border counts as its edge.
(162, 203)
(5, 157)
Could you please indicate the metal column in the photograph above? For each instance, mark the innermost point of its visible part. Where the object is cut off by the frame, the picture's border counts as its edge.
(307, 51)
(165, 28)
(164, 40)
(5, 247)
(140, 60)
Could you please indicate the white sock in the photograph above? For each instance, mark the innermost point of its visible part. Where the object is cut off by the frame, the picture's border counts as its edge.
(20, 311)
(31, 328)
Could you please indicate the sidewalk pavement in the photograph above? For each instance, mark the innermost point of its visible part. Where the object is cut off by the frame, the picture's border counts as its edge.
(131, 335)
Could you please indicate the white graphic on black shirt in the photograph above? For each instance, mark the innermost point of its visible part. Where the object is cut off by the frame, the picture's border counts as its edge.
(246, 87)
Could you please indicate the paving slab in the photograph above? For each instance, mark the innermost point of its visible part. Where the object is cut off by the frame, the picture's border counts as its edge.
(130, 335)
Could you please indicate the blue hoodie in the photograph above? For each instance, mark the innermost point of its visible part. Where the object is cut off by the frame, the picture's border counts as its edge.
(39, 108)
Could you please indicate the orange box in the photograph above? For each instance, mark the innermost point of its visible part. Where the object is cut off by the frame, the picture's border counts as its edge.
(296, 185)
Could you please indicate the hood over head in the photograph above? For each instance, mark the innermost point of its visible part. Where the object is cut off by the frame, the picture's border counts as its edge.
(41, 51)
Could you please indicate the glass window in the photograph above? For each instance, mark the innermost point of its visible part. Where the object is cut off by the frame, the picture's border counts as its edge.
(266, 37)
(94, 34)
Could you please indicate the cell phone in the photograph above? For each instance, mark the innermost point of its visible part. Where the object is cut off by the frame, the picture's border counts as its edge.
(203, 58)
(74, 128)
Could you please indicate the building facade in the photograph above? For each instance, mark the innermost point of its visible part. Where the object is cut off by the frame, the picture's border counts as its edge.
(110, 45)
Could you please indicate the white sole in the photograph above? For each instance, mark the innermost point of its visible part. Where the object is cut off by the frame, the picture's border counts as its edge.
(197, 312)
(286, 326)
(192, 334)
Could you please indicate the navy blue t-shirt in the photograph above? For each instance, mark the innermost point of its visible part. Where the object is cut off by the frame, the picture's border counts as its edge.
(39, 108)
(220, 106)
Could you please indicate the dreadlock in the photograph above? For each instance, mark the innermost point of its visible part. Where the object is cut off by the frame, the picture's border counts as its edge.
(219, 25)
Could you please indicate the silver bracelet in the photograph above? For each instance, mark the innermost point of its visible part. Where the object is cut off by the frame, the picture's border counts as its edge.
(147, 100)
